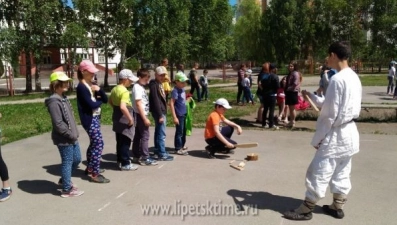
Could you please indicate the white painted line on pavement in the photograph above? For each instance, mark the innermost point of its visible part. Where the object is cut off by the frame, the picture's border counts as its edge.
(139, 181)
(161, 166)
(106, 205)
(121, 194)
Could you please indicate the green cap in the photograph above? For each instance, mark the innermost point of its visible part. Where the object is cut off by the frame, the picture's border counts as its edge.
(61, 76)
(181, 77)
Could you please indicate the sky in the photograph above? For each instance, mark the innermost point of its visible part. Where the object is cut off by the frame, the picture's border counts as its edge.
(232, 2)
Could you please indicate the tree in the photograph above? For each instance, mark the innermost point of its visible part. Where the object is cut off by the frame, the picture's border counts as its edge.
(383, 28)
(33, 23)
(247, 30)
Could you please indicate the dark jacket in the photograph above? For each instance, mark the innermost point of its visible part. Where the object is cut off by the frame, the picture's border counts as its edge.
(157, 102)
(85, 104)
(270, 84)
(64, 129)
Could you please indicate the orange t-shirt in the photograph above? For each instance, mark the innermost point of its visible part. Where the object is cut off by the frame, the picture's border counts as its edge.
(213, 119)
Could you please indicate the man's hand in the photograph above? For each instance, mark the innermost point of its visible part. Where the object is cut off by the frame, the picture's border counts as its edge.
(161, 120)
(176, 121)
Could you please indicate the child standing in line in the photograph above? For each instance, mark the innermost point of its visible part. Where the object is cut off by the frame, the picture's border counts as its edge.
(247, 88)
(140, 146)
(204, 85)
(123, 118)
(64, 132)
(178, 110)
(6, 191)
(89, 100)
(282, 108)
(158, 108)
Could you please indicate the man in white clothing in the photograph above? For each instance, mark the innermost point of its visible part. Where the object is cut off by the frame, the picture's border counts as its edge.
(336, 139)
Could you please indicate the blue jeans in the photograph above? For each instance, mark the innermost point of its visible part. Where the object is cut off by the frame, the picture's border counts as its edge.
(204, 92)
(247, 94)
(71, 157)
(159, 136)
(180, 133)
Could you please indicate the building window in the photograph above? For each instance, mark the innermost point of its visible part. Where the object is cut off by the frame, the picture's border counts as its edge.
(47, 59)
(101, 58)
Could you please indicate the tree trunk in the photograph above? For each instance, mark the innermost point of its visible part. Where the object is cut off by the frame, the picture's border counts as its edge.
(122, 57)
(106, 83)
(28, 73)
(171, 70)
(37, 78)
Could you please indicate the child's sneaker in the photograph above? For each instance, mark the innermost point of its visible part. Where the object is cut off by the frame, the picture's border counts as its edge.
(86, 172)
(74, 192)
(5, 194)
(182, 152)
(274, 127)
(129, 167)
(165, 158)
(99, 179)
(148, 162)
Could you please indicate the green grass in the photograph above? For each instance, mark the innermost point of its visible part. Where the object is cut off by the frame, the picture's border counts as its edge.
(23, 97)
(374, 80)
(21, 121)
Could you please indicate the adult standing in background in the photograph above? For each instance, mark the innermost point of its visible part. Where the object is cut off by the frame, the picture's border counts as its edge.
(270, 84)
(240, 78)
(194, 82)
(292, 90)
(167, 81)
(265, 71)
(390, 78)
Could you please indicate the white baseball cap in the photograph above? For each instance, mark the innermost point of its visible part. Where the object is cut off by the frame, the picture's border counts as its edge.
(161, 70)
(127, 74)
(223, 102)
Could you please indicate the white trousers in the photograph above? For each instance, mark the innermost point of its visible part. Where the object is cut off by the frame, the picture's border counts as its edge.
(323, 171)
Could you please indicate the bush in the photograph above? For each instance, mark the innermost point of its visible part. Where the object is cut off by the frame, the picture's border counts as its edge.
(132, 64)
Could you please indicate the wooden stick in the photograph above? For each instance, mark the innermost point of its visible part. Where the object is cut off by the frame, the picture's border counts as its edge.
(236, 167)
(307, 97)
(246, 145)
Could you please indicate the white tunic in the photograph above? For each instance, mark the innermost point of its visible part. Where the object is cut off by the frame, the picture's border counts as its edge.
(336, 134)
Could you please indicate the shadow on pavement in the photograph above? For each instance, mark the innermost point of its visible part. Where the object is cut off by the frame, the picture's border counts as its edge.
(109, 157)
(39, 187)
(244, 123)
(265, 200)
(203, 154)
(56, 171)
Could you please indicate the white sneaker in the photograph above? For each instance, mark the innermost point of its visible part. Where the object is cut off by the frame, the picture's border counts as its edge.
(74, 192)
(129, 167)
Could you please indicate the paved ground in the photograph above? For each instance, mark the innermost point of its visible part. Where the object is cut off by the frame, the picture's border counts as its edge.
(273, 184)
